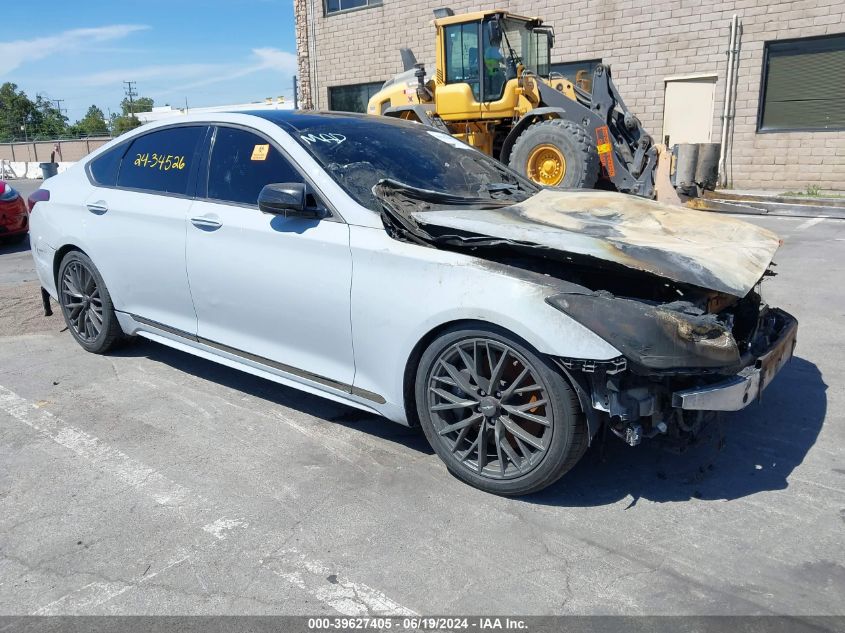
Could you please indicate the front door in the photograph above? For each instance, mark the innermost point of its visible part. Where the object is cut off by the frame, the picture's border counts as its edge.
(270, 289)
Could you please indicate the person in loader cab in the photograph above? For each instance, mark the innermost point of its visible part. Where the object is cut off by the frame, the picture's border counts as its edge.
(494, 67)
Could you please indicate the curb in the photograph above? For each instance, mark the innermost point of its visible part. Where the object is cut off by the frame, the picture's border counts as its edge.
(782, 209)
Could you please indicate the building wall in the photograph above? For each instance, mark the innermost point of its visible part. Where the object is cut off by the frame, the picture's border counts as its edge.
(644, 41)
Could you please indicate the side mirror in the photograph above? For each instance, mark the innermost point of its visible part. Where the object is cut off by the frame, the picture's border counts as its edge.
(494, 31)
(287, 199)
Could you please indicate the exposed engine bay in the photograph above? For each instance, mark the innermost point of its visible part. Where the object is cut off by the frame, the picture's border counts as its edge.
(676, 291)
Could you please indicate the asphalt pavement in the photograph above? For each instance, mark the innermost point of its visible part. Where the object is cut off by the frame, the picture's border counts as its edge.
(153, 482)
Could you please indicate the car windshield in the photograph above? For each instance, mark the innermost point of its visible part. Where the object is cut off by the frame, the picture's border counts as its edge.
(359, 152)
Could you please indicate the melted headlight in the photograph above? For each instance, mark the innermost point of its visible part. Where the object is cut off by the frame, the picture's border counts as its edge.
(668, 336)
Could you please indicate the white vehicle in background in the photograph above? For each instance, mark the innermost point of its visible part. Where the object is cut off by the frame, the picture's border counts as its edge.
(390, 267)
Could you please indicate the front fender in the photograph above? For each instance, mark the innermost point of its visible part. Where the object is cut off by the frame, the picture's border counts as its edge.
(402, 292)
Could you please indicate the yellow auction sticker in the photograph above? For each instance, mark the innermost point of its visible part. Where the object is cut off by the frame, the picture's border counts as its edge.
(259, 152)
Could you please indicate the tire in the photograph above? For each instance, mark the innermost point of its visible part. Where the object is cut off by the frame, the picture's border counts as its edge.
(454, 408)
(86, 304)
(581, 159)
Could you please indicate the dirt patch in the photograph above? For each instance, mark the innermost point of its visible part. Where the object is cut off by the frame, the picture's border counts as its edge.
(21, 311)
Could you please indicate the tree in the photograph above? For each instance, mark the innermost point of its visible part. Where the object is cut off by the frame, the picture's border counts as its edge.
(15, 112)
(141, 104)
(92, 124)
(121, 124)
(128, 121)
(49, 122)
(22, 118)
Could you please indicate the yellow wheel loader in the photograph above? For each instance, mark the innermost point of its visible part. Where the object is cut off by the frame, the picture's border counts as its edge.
(493, 89)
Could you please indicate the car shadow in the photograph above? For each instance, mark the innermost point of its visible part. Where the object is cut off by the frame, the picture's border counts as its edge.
(746, 452)
(304, 402)
(9, 248)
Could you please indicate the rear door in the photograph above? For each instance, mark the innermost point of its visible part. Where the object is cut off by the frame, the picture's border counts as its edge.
(136, 228)
(267, 288)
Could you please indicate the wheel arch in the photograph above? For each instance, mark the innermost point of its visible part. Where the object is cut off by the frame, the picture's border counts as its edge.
(59, 256)
(412, 363)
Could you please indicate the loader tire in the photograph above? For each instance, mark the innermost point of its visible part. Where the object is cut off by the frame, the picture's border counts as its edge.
(556, 153)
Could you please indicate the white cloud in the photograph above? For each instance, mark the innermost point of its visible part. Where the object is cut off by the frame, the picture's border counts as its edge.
(15, 54)
(262, 59)
(172, 72)
(274, 58)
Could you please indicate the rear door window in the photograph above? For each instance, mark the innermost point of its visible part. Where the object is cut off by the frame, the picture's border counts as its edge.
(242, 162)
(161, 161)
(104, 168)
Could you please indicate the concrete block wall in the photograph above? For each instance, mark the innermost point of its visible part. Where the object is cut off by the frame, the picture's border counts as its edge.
(644, 42)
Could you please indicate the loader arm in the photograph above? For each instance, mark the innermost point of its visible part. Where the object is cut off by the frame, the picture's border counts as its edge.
(627, 152)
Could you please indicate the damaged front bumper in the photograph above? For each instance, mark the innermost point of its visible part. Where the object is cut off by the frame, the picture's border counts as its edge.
(637, 402)
(737, 392)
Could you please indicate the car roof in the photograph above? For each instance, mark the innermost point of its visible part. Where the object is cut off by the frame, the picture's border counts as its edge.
(301, 119)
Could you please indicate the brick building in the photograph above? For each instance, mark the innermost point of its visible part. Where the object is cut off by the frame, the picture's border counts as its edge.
(788, 125)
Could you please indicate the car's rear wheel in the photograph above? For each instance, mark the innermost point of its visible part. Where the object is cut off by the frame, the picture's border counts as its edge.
(86, 304)
(496, 412)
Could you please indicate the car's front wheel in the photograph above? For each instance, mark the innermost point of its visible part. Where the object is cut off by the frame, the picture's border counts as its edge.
(496, 412)
(86, 304)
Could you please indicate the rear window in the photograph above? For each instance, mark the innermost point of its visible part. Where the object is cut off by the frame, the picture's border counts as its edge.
(161, 161)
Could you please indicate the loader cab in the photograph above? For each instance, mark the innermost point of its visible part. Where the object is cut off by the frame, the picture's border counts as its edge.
(479, 53)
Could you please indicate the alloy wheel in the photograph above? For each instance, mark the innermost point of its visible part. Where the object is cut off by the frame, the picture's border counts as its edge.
(490, 408)
(81, 301)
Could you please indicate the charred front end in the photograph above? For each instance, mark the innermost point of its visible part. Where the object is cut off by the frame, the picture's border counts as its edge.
(679, 360)
(675, 291)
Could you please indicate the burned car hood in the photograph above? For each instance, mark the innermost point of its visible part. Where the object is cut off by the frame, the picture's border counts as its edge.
(693, 247)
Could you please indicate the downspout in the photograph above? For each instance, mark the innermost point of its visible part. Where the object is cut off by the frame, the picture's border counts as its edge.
(726, 113)
(312, 55)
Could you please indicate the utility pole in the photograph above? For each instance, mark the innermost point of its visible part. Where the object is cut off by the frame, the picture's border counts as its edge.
(59, 107)
(130, 92)
(295, 94)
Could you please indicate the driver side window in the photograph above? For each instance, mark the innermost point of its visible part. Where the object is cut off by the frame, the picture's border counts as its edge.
(462, 61)
(242, 162)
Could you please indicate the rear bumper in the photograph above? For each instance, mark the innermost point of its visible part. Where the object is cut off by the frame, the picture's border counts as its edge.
(738, 391)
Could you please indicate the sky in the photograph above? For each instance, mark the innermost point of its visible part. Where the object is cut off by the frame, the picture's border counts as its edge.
(210, 53)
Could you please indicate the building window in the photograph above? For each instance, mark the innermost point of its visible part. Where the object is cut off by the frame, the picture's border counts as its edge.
(579, 73)
(352, 98)
(336, 6)
(802, 85)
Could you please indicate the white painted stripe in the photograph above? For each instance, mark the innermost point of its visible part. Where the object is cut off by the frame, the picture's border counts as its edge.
(223, 525)
(807, 224)
(343, 595)
(80, 601)
(141, 477)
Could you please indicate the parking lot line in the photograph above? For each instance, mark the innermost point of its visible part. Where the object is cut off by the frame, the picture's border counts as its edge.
(341, 594)
(808, 223)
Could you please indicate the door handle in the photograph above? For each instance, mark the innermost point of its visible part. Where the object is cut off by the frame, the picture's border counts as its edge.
(98, 208)
(206, 223)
